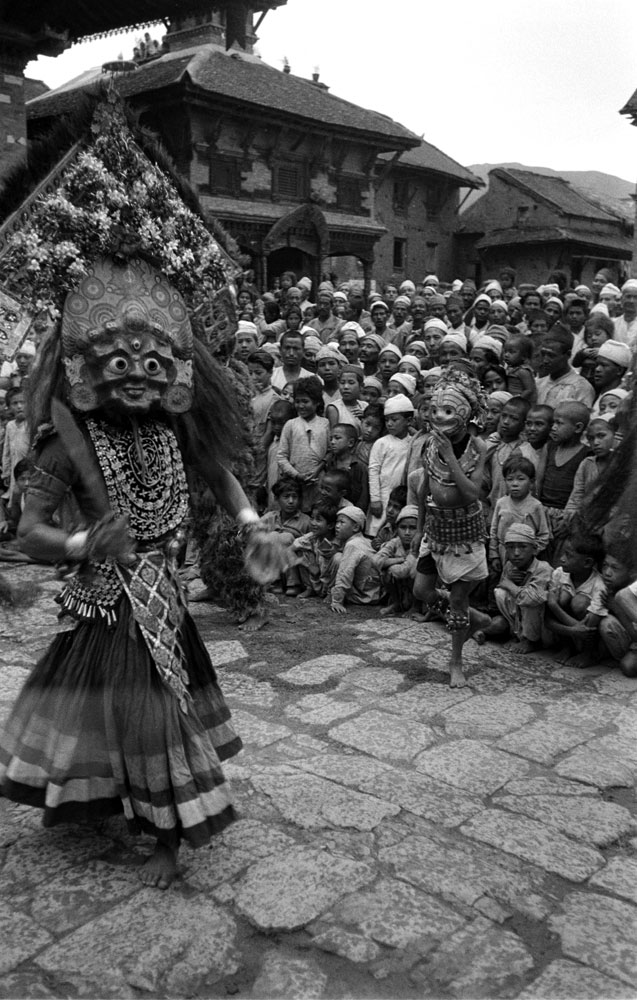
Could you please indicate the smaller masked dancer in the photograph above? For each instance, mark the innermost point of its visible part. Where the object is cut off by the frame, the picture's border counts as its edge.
(450, 514)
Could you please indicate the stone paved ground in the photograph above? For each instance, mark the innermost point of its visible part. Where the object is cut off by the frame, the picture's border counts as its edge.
(397, 838)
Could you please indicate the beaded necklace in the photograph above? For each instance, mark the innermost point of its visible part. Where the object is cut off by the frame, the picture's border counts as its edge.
(144, 475)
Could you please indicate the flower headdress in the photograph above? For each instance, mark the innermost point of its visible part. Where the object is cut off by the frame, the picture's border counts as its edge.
(107, 198)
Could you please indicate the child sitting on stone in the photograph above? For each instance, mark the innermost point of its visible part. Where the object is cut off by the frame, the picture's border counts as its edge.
(521, 593)
(614, 613)
(356, 577)
(575, 585)
(315, 550)
(397, 563)
(290, 521)
(396, 502)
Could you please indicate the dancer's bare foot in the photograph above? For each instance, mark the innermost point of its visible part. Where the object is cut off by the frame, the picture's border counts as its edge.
(416, 616)
(305, 594)
(160, 869)
(457, 677)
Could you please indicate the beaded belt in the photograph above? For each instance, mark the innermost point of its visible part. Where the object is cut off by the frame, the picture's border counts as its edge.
(455, 528)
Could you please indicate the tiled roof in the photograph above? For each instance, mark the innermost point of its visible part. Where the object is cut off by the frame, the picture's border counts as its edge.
(245, 78)
(267, 211)
(618, 244)
(430, 158)
(555, 190)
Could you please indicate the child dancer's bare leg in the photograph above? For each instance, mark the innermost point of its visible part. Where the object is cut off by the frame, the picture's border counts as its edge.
(462, 622)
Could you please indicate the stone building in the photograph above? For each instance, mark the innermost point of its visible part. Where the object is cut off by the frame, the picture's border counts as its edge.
(536, 224)
(418, 195)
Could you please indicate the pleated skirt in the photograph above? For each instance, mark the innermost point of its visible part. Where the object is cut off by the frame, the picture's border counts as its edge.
(95, 732)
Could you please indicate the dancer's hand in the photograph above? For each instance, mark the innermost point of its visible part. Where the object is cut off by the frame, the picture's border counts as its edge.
(268, 554)
(111, 537)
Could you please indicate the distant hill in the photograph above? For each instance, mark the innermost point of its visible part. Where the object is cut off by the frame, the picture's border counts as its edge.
(605, 190)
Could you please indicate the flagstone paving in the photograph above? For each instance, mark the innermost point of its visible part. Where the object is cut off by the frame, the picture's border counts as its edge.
(396, 837)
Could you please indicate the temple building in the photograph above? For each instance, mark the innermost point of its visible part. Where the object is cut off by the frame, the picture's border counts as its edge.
(301, 179)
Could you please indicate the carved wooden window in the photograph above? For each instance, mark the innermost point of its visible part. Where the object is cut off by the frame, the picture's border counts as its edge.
(348, 194)
(290, 181)
(225, 176)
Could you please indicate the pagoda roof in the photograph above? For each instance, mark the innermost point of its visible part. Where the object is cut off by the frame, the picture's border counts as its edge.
(84, 19)
(429, 158)
(237, 77)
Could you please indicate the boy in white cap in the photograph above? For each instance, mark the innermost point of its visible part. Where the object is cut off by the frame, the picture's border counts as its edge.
(397, 563)
(612, 362)
(379, 312)
(356, 577)
(388, 458)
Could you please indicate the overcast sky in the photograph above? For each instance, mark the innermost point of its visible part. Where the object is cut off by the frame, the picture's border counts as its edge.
(487, 81)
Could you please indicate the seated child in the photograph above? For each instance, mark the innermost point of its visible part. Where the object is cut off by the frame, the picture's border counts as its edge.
(290, 521)
(315, 550)
(334, 487)
(522, 592)
(396, 502)
(343, 441)
(397, 563)
(575, 585)
(356, 578)
(614, 614)
(519, 506)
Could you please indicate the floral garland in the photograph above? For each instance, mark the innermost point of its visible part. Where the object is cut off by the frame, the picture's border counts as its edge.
(111, 200)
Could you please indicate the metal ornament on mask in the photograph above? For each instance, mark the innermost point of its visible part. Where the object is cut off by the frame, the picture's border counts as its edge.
(127, 341)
